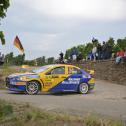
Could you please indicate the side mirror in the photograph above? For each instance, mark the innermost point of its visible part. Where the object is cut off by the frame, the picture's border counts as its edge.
(49, 73)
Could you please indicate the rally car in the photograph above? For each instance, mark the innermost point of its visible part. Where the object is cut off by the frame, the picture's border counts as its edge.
(52, 78)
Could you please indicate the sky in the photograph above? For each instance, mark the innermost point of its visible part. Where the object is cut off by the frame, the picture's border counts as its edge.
(47, 27)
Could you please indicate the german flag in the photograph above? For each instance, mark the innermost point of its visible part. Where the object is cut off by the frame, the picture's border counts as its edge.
(17, 44)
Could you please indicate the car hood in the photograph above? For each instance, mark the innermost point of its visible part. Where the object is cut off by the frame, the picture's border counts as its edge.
(22, 74)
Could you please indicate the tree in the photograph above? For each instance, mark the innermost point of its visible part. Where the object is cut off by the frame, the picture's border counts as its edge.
(11, 60)
(4, 4)
(121, 43)
(30, 62)
(116, 48)
(67, 54)
(88, 48)
(81, 50)
(111, 42)
(40, 61)
(19, 60)
(50, 60)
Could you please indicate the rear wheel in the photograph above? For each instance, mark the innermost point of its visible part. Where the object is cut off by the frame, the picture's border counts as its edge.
(32, 87)
(83, 88)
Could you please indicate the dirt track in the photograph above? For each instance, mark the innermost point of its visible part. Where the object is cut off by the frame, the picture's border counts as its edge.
(107, 99)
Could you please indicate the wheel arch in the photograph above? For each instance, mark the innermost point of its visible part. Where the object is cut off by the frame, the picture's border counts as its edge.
(83, 83)
(39, 82)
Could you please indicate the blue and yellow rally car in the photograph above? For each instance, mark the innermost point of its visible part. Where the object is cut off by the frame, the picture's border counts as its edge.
(52, 78)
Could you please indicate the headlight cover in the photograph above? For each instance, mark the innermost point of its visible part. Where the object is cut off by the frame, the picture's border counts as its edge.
(14, 79)
(26, 78)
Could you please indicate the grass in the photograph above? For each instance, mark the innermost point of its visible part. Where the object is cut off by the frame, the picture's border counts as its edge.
(13, 114)
(5, 109)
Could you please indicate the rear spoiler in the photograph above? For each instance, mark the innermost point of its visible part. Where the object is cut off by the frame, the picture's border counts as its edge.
(91, 72)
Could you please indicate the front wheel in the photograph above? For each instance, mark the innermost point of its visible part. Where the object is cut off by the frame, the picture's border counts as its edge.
(32, 87)
(83, 88)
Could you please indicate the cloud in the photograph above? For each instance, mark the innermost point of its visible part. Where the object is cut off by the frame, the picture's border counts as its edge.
(89, 9)
(46, 27)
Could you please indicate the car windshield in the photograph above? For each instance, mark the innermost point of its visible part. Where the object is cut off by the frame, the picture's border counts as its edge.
(41, 69)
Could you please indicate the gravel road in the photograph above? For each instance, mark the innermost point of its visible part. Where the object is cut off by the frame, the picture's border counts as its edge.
(107, 99)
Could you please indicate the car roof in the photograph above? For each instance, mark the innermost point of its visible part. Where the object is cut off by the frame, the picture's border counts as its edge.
(69, 65)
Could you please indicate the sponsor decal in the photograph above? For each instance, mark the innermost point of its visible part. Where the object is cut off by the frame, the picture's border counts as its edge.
(72, 81)
(48, 83)
(20, 83)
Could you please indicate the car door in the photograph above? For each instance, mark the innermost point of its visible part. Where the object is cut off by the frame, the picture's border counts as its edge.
(53, 79)
(74, 78)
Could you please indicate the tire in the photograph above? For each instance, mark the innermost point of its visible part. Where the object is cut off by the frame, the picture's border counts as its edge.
(32, 87)
(83, 88)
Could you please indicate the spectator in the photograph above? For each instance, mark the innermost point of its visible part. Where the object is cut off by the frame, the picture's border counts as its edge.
(69, 59)
(94, 40)
(61, 57)
(94, 51)
(119, 56)
(103, 50)
(89, 56)
(124, 58)
(99, 51)
(79, 57)
(108, 51)
(2, 57)
(113, 55)
(74, 54)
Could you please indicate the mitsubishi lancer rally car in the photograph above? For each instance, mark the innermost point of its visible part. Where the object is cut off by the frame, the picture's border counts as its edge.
(52, 78)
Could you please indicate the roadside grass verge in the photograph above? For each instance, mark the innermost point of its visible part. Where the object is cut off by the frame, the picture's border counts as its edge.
(5, 109)
(13, 114)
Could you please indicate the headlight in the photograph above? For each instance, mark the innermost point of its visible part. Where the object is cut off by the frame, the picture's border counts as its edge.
(27, 77)
(24, 78)
(15, 79)
(13, 83)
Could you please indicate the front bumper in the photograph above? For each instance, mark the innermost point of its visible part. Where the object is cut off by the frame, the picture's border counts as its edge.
(17, 86)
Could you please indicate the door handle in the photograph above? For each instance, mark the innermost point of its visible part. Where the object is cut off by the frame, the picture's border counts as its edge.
(63, 77)
(55, 76)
